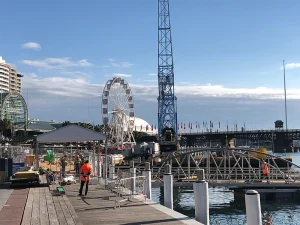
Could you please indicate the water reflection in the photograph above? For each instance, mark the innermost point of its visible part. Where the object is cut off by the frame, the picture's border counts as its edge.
(225, 210)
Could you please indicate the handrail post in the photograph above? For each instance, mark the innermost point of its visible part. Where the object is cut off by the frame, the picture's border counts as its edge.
(133, 175)
(147, 174)
(168, 187)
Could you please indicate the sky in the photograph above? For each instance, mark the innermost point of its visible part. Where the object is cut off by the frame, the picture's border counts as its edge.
(228, 57)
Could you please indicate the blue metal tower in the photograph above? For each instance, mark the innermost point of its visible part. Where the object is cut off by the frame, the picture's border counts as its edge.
(167, 107)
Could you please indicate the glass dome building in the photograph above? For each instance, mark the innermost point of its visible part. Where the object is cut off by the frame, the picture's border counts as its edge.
(14, 108)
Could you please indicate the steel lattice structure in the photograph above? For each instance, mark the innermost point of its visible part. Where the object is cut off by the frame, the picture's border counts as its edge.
(167, 107)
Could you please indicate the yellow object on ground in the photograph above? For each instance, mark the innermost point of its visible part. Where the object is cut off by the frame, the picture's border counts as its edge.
(26, 175)
(258, 154)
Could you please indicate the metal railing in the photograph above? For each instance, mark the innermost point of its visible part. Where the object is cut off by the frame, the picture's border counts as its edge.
(225, 165)
(128, 188)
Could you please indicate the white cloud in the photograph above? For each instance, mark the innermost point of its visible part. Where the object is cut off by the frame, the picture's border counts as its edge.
(152, 74)
(60, 86)
(291, 66)
(32, 45)
(150, 80)
(211, 102)
(76, 73)
(56, 63)
(122, 75)
(184, 82)
(81, 87)
(114, 63)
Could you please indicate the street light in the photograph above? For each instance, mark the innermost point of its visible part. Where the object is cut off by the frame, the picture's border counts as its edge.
(286, 123)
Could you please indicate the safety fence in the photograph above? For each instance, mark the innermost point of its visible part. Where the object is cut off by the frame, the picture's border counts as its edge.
(128, 188)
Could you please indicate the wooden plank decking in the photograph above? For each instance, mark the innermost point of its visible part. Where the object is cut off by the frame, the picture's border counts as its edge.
(43, 208)
(12, 211)
(97, 208)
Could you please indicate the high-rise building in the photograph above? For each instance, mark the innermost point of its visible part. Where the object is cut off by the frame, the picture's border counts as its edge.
(10, 80)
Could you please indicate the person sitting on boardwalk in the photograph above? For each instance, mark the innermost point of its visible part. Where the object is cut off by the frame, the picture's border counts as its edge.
(265, 171)
(85, 171)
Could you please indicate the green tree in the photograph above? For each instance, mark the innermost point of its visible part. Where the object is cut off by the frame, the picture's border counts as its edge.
(5, 124)
(66, 123)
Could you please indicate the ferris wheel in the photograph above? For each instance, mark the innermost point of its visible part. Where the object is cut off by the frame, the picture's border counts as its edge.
(118, 112)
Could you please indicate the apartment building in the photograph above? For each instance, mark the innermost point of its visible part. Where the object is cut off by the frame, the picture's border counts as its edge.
(10, 80)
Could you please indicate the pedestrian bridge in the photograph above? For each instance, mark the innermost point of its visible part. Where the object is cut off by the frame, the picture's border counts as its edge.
(225, 167)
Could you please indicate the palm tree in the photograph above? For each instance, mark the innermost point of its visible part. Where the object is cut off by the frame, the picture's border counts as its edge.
(5, 124)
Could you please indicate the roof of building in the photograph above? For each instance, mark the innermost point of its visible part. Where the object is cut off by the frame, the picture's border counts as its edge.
(43, 126)
(143, 126)
(71, 133)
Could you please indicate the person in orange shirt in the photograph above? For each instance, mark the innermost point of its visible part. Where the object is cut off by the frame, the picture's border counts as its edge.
(265, 171)
(85, 172)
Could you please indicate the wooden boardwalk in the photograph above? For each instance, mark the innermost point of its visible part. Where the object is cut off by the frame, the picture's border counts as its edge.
(36, 206)
(44, 209)
(12, 211)
(42, 206)
(97, 208)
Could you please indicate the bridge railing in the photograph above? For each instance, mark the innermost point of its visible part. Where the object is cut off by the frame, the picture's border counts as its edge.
(231, 175)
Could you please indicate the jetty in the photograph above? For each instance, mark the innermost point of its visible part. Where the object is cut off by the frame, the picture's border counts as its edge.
(45, 206)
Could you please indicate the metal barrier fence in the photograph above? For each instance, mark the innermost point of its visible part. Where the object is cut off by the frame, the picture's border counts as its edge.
(17, 153)
(129, 187)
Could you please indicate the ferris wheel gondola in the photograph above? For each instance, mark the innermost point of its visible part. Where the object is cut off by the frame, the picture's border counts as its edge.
(118, 112)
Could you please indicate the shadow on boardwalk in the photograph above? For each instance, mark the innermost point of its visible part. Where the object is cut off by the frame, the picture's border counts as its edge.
(97, 208)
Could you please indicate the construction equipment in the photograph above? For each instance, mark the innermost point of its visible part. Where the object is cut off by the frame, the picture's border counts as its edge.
(167, 108)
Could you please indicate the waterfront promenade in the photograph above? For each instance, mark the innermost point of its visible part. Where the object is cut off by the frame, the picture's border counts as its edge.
(38, 205)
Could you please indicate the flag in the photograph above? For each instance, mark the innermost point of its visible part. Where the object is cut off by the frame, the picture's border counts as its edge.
(191, 126)
(219, 124)
(155, 127)
(203, 124)
(135, 127)
(210, 123)
(184, 126)
(141, 127)
(181, 125)
(196, 125)
(152, 127)
(147, 127)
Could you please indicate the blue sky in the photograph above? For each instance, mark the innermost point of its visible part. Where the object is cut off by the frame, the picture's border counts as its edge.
(223, 51)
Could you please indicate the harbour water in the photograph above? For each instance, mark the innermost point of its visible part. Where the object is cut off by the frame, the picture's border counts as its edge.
(224, 209)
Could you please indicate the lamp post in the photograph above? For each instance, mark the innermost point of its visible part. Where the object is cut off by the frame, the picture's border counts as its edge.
(286, 123)
(106, 164)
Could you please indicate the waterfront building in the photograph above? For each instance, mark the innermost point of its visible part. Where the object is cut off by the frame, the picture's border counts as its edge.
(10, 80)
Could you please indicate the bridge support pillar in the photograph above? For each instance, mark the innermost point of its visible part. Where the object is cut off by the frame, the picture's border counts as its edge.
(201, 199)
(253, 209)
(168, 187)
(147, 174)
